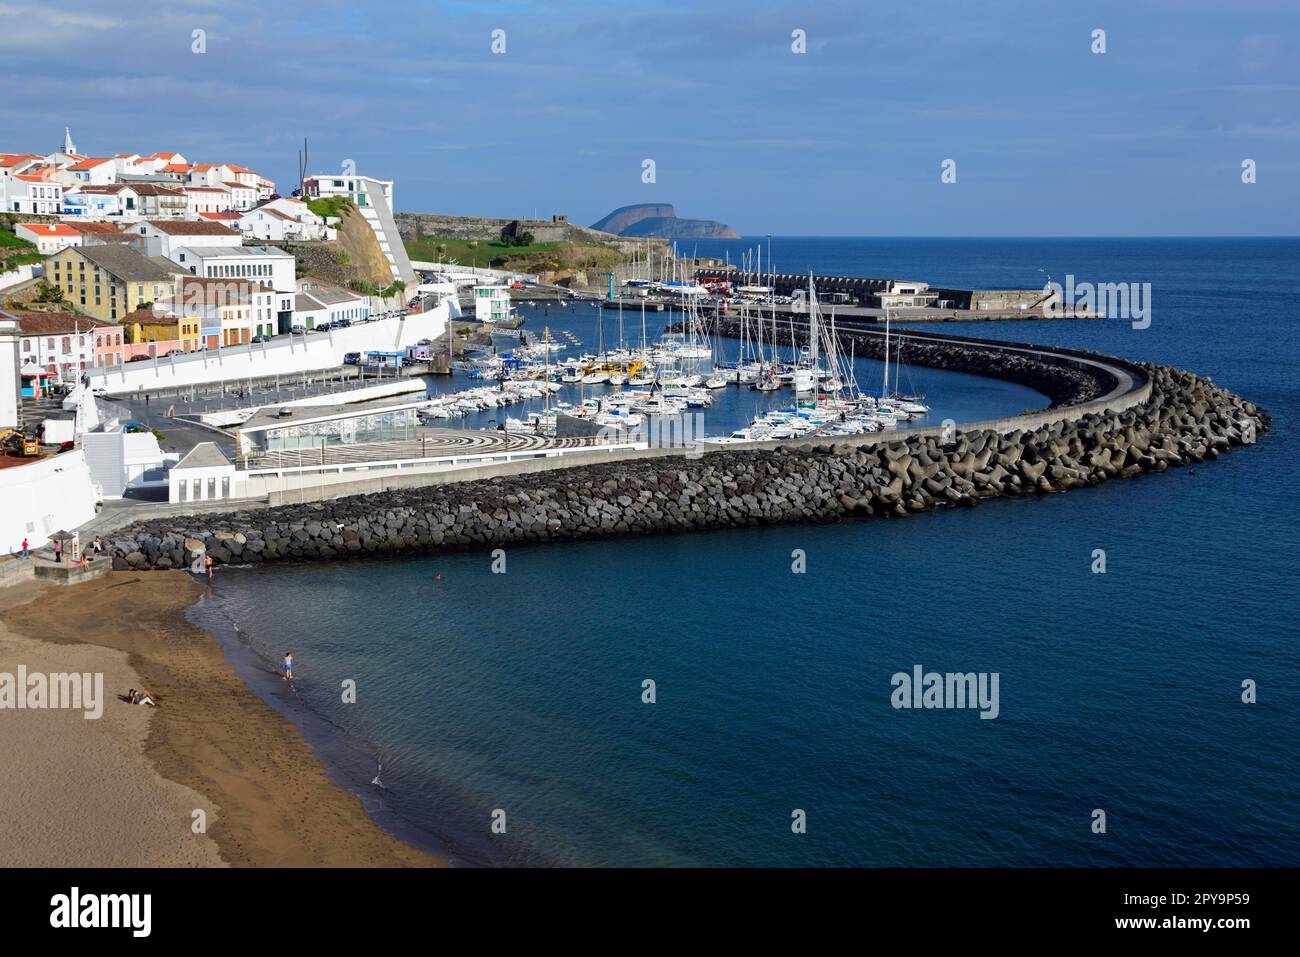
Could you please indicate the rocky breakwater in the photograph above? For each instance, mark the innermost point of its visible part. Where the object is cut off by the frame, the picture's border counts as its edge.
(1186, 420)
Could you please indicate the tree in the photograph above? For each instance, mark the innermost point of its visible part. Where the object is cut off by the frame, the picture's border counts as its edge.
(47, 293)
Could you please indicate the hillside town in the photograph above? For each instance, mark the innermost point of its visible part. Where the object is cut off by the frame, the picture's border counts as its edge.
(116, 259)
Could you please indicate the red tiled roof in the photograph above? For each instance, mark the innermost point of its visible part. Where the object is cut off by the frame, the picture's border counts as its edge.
(96, 229)
(88, 164)
(54, 323)
(47, 229)
(190, 227)
(220, 216)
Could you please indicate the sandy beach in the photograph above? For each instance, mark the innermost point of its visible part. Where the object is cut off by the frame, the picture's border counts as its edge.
(122, 790)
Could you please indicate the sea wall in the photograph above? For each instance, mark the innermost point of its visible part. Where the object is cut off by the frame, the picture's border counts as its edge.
(1183, 419)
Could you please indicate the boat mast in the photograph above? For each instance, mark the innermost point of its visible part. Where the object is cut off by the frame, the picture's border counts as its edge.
(884, 389)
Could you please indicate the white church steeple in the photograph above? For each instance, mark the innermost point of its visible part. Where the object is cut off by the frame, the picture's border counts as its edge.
(68, 146)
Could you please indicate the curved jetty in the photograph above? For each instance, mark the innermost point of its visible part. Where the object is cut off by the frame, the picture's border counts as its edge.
(1109, 418)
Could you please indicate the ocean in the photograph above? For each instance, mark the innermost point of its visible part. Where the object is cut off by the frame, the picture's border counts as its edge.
(518, 697)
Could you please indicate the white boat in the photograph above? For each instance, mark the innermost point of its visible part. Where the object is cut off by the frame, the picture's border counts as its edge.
(595, 378)
(715, 382)
(619, 418)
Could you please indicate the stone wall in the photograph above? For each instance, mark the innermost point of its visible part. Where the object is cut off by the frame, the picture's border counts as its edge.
(418, 225)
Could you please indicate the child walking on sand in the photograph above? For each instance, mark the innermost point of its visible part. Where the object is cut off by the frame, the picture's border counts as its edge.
(288, 666)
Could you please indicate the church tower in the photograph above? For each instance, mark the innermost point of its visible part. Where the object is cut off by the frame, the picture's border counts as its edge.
(68, 146)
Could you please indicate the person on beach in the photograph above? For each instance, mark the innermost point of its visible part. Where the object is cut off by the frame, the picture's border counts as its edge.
(145, 696)
(97, 548)
(288, 666)
(207, 563)
(27, 552)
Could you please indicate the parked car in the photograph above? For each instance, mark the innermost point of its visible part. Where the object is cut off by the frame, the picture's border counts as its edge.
(298, 330)
(261, 339)
(134, 427)
(352, 359)
(340, 323)
(99, 392)
(139, 358)
(174, 352)
(321, 327)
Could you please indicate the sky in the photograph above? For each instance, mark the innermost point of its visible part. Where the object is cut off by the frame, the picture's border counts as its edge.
(850, 137)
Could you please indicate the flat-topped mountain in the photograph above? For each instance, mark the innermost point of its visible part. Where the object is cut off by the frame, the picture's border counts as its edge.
(660, 221)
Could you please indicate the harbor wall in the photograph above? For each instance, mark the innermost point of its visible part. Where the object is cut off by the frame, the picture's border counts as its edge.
(1159, 418)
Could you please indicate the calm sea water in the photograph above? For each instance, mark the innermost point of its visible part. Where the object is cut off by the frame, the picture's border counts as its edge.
(522, 692)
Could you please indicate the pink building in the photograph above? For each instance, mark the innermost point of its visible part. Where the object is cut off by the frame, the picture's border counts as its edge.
(109, 345)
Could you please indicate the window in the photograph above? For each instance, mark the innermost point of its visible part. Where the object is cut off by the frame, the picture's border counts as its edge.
(198, 488)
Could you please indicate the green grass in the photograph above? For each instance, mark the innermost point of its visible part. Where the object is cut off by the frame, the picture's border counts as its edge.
(495, 253)
(15, 252)
(7, 238)
(22, 259)
(336, 206)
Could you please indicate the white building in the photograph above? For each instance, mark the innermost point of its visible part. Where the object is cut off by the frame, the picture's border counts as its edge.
(266, 265)
(491, 302)
(101, 202)
(204, 474)
(33, 194)
(58, 342)
(163, 237)
(318, 303)
(206, 199)
(285, 219)
(242, 196)
(93, 172)
(48, 238)
(357, 189)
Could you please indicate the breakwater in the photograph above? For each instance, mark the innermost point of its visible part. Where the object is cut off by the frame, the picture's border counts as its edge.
(1181, 419)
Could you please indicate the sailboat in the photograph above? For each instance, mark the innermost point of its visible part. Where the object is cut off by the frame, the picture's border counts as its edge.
(890, 400)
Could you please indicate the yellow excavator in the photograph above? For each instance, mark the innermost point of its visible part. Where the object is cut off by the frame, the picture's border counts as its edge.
(19, 443)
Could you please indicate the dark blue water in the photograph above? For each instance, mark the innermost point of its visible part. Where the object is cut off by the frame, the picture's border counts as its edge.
(522, 692)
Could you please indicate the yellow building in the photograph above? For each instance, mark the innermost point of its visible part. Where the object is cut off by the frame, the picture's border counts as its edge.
(176, 332)
(109, 280)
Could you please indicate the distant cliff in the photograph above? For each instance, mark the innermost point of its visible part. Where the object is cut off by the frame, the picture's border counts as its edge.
(660, 221)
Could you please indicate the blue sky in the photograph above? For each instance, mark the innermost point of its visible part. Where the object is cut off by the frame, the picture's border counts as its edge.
(845, 139)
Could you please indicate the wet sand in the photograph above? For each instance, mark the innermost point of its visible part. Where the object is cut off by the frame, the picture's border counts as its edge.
(123, 792)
